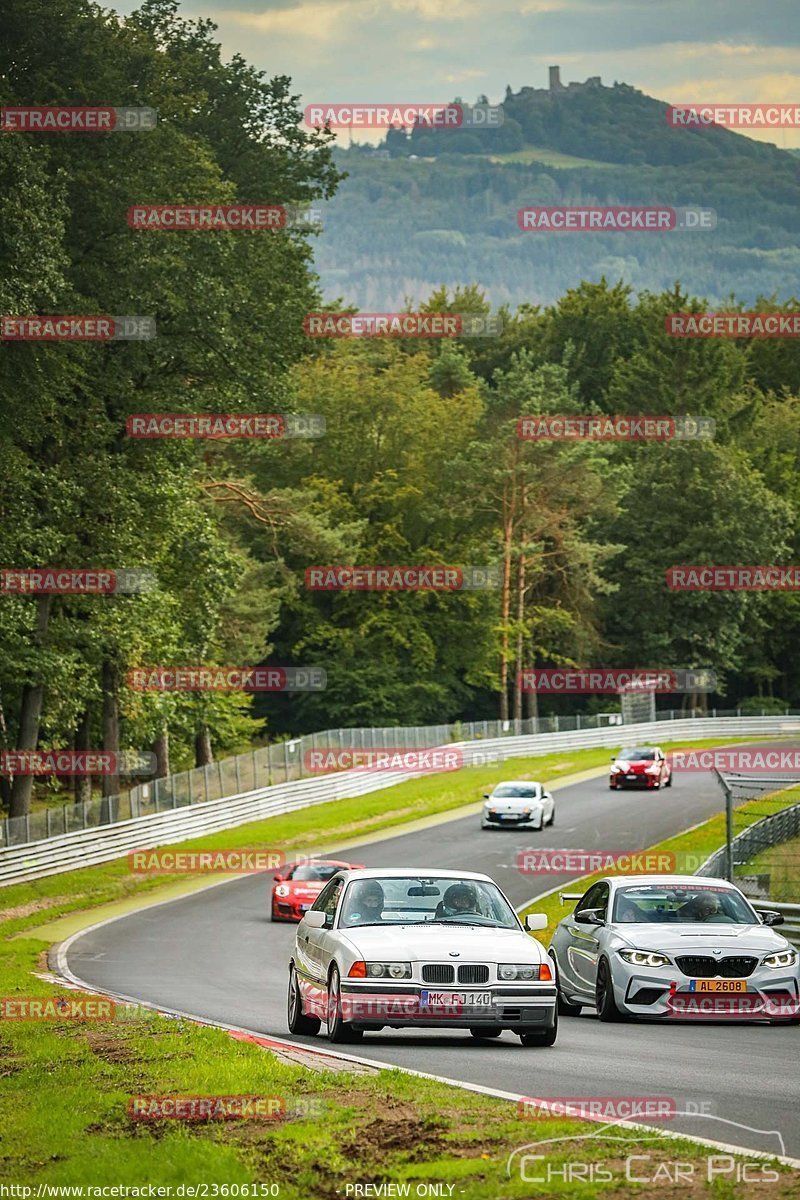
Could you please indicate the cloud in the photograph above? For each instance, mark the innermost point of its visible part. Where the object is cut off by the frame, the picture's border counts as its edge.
(314, 22)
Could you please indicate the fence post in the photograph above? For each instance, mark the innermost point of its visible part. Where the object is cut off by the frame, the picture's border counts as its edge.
(219, 777)
(578, 718)
(64, 811)
(49, 816)
(238, 776)
(556, 722)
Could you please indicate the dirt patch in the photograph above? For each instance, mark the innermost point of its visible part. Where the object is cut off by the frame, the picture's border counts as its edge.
(34, 906)
(108, 1047)
(398, 1128)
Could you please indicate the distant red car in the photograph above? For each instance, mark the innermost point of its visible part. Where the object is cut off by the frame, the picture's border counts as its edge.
(643, 766)
(298, 887)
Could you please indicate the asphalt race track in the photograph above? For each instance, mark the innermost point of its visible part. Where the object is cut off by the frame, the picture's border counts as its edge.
(216, 955)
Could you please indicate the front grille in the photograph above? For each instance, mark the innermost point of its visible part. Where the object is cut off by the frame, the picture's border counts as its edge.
(702, 966)
(473, 974)
(438, 973)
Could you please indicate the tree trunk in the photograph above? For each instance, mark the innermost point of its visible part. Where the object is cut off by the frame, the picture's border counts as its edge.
(203, 751)
(520, 643)
(110, 722)
(30, 717)
(83, 741)
(161, 751)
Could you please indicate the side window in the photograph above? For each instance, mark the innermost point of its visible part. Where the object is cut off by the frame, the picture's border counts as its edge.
(596, 897)
(328, 898)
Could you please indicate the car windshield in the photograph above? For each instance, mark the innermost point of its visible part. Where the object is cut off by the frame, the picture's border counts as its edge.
(313, 872)
(418, 900)
(638, 755)
(507, 791)
(681, 904)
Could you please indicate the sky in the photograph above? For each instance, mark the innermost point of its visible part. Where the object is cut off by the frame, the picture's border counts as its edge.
(681, 51)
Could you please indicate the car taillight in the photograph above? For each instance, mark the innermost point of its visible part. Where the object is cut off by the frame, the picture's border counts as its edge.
(358, 970)
(545, 972)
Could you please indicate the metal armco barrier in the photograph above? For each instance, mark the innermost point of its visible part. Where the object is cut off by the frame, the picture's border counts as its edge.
(87, 847)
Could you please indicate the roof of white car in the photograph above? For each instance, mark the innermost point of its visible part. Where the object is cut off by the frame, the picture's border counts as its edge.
(666, 880)
(531, 783)
(415, 872)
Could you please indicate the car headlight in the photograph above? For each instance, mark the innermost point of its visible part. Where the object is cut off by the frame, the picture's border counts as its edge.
(644, 958)
(281, 890)
(388, 970)
(518, 971)
(654, 770)
(781, 958)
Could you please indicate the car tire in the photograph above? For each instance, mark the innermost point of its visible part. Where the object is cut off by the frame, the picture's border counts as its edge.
(669, 781)
(339, 1030)
(552, 820)
(541, 1037)
(606, 1004)
(297, 1020)
(486, 1031)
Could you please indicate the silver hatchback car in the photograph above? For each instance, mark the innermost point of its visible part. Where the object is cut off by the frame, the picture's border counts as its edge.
(673, 946)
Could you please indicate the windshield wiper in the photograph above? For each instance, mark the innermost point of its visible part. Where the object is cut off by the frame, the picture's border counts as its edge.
(456, 921)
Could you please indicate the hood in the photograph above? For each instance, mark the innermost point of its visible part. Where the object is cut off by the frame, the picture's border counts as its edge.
(702, 938)
(412, 943)
(635, 768)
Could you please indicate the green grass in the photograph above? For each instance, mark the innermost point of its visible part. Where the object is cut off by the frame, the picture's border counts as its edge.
(65, 1085)
(782, 864)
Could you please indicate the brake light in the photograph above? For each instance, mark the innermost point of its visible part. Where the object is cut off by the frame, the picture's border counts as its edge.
(545, 972)
(358, 970)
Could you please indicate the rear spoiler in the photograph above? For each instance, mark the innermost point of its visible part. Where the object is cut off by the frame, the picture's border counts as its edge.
(565, 896)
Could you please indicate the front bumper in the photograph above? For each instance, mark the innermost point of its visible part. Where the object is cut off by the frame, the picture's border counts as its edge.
(284, 908)
(634, 781)
(512, 1006)
(511, 820)
(665, 992)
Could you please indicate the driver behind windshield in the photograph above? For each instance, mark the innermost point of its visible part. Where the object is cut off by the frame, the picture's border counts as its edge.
(459, 899)
(703, 907)
(365, 903)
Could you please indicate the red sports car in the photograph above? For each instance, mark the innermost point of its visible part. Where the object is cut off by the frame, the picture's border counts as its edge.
(643, 766)
(298, 887)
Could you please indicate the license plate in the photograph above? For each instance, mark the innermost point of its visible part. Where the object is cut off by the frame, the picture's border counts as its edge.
(718, 985)
(429, 999)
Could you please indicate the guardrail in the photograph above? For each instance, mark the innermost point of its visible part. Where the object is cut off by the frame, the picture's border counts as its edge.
(106, 842)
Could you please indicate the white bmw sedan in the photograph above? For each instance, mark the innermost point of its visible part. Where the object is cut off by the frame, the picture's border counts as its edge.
(432, 949)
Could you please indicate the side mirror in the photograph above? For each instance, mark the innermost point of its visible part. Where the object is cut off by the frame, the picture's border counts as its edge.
(771, 916)
(613, 758)
(278, 878)
(486, 795)
(589, 916)
(536, 921)
(315, 918)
